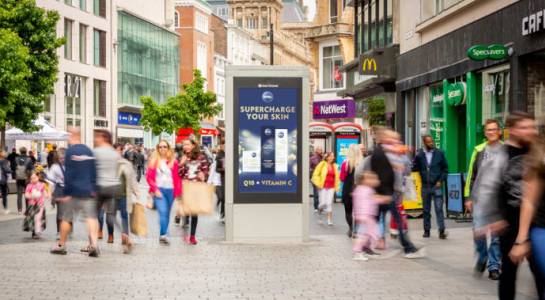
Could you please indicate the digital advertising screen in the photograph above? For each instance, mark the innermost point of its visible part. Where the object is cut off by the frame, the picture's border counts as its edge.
(267, 118)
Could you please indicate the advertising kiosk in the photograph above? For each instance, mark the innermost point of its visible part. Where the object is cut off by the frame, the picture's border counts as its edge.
(266, 153)
(346, 134)
(321, 135)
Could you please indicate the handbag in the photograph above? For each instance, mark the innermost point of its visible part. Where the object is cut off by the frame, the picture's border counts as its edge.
(197, 199)
(139, 224)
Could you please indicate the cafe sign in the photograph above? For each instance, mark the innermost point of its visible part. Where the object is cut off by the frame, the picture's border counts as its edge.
(533, 23)
(456, 93)
(491, 52)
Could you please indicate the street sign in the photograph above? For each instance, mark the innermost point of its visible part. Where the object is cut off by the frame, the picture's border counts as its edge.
(334, 109)
(456, 93)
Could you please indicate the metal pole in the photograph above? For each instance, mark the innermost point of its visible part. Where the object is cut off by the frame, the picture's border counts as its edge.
(271, 36)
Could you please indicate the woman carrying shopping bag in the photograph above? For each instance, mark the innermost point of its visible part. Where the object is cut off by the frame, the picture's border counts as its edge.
(194, 167)
(164, 184)
(326, 179)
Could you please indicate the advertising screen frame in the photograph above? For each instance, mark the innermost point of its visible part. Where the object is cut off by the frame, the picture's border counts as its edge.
(259, 83)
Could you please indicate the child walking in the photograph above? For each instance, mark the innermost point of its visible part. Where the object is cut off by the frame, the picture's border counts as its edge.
(365, 212)
(35, 193)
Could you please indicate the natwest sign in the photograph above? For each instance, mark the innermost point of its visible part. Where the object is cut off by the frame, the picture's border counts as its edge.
(334, 109)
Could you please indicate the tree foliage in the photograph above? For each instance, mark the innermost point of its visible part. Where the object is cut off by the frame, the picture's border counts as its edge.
(32, 41)
(377, 112)
(184, 110)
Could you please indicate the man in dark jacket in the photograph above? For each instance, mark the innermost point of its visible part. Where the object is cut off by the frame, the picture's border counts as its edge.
(4, 176)
(382, 167)
(11, 158)
(139, 163)
(522, 131)
(433, 168)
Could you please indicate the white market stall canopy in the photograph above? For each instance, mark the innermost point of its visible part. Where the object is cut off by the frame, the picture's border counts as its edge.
(47, 132)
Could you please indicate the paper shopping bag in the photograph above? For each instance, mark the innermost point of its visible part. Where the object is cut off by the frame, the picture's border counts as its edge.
(139, 224)
(197, 199)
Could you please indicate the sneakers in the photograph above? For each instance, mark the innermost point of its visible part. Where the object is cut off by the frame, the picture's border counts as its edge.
(494, 275)
(420, 253)
(58, 249)
(426, 234)
(192, 240)
(58, 237)
(94, 252)
(164, 241)
(85, 249)
(329, 223)
(479, 268)
(360, 256)
(6, 211)
(370, 253)
(442, 235)
(316, 211)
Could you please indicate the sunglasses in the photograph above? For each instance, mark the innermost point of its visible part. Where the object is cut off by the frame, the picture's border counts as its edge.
(163, 147)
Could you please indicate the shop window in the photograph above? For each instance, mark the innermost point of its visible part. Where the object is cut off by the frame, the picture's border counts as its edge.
(332, 61)
(436, 113)
(496, 84)
(536, 91)
(99, 95)
(68, 24)
(73, 88)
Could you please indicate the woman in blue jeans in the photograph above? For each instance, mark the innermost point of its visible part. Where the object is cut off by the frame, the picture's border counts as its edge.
(164, 184)
(531, 235)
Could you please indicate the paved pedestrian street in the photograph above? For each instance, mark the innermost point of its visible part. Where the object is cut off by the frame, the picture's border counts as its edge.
(213, 269)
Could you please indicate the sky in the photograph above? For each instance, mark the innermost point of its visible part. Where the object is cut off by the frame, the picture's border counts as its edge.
(311, 8)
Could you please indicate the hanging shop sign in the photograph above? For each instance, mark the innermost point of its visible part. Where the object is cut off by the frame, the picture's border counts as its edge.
(334, 109)
(491, 52)
(127, 118)
(456, 93)
(533, 23)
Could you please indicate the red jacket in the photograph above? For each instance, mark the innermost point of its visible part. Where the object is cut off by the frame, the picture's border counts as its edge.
(151, 173)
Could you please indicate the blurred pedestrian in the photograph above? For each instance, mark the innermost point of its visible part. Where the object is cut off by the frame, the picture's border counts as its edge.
(381, 166)
(432, 165)
(327, 179)
(366, 203)
(315, 159)
(32, 157)
(80, 192)
(12, 158)
(50, 156)
(106, 159)
(35, 193)
(484, 166)
(348, 168)
(220, 169)
(164, 184)
(531, 234)
(522, 132)
(140, 161)
(194, 166)
(23, 169)
(124, 196)
(55, 175)
(5, 171)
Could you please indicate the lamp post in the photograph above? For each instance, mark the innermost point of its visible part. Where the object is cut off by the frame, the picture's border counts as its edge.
(271, 45)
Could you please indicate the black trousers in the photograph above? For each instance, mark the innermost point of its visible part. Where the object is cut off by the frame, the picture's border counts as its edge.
(21, 186)
(220, 193)
(4, 192)
(139, 172)
(508, 277)
(347, 201)
(194, 222)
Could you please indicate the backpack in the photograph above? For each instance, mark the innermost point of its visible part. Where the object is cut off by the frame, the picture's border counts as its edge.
(21, 169)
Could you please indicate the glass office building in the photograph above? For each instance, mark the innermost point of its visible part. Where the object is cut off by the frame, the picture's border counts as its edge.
(148, 61)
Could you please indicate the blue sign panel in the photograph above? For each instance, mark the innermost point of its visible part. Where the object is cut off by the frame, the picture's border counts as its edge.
(455, 193)
(127, 118)
(267, 136)
(343, 143)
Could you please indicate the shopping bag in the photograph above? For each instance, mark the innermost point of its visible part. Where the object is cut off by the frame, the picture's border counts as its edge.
(197, 199)
(139, 224)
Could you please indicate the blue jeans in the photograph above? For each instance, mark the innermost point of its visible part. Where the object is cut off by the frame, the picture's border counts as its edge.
(315, 196)
(406, 243)
(122, 207)
(434, 194)
(492, 254)
(537, 236)
(163, 206)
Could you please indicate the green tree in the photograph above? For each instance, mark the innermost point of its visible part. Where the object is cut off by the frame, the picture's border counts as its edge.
(377, 112)
(36, 32)
(184, 110)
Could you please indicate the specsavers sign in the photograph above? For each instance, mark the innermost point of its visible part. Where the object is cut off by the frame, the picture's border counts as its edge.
(484, 52)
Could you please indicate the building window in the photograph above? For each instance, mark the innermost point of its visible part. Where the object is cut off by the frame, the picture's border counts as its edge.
(99, 48)
(430, 8)
(99, 93)
(83, 43)
(264, 22)
(251, 23)
(68, 36)
(333, 11)
(83, 5)
(370, 31)
(176, 19)
(201, 23)
(99, 8)
(202, 58)
(239, 22)
(73, 87)
(332, 77)
(496, 85)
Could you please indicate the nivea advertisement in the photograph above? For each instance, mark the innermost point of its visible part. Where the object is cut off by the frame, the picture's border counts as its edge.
(267, 149)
